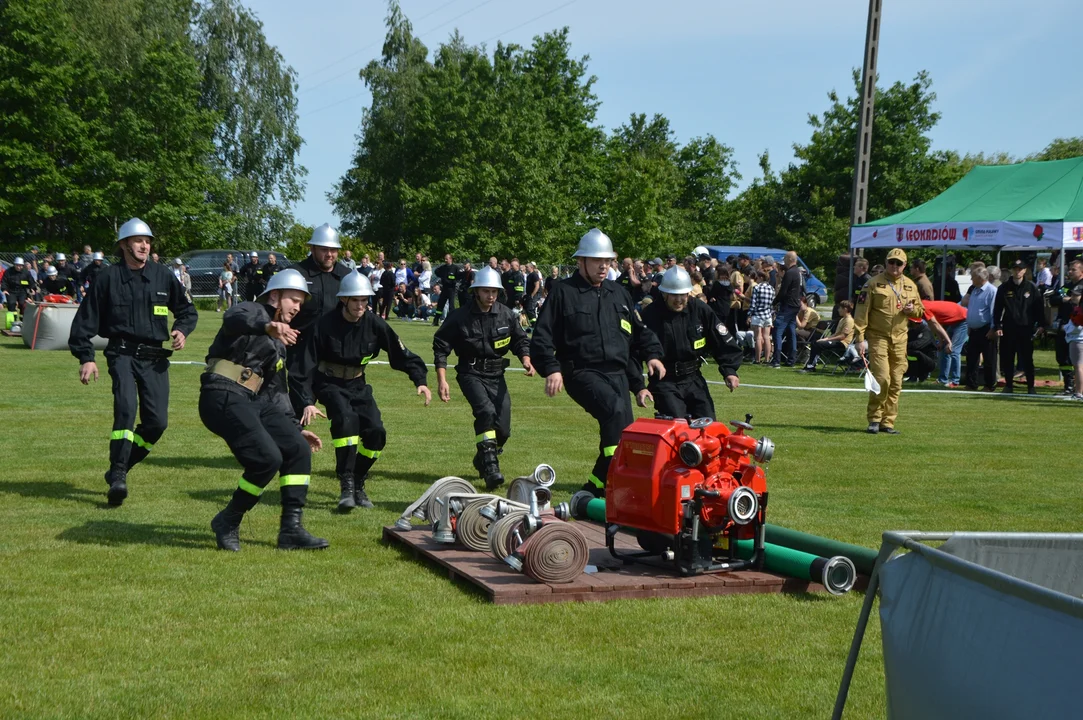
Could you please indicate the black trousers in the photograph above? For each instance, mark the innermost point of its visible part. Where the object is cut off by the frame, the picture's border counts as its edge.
(686, 397)
(530, 307)
(978, 345)
(1017, 344)
(445, 304)
(386, 300)
(821, 346)
(16, 300)
(357, 431)
(605, 396)
(265, 442)
(138, 386)
(491, 404)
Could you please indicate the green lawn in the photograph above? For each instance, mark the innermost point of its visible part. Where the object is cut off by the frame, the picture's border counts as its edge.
(131, 612)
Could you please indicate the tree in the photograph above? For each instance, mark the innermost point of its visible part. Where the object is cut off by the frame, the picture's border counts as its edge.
(708, 175)
(55, 156)
(368, 198)
(1060, 149)
(247, 85)
(643, 186)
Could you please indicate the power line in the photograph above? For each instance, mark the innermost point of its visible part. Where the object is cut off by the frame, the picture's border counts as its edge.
(372, 45)
(524, 24)
(427, 32)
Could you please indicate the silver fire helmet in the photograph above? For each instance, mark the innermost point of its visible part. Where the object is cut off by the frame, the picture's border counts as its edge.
(676, 281)
(595, 244)
(134, 228)
(287, 280)
(19, 261)
(98, 256)
(487, 277)
(61, 256)
(51, 272)
(325, 236)
(354, 285)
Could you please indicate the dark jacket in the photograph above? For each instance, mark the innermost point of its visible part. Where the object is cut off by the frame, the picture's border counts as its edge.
(514, 286)
(336, 340)
(789, 293)
(91, 271)
(243, 340)
(449, 276)
(19, 283)
(1018, 307)
(585, 326)
(60, 285)
(122, 304)
(323, 286)
(472, 335)
(690, 335)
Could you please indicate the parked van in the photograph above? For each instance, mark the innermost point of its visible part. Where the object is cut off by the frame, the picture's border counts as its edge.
(815, 291)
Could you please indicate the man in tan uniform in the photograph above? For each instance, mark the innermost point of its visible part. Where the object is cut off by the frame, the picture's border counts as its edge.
(883, 307)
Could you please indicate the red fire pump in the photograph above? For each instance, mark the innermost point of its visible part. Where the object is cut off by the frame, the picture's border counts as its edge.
(690, 491)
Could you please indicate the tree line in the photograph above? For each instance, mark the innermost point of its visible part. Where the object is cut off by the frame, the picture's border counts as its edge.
(181, 112)
(177, 111)
(502, 154)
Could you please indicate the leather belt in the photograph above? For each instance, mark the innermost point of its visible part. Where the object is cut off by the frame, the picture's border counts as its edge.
(138, 350)
(237, 373)
(342, 372)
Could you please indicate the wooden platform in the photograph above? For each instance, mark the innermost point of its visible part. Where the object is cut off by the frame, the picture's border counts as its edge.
(612, 581)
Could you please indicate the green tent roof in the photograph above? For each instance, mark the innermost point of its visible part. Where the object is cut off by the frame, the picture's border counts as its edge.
(1026, 192)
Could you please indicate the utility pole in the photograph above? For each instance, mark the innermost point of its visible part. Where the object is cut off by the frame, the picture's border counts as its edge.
(859, 201)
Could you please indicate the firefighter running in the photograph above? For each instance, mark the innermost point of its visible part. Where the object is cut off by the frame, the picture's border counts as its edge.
(585, 333)
(323, 273)
(243, 400)
(19, 285)
(129, 303)
(332, 371)
(481, 333)
(687, 329)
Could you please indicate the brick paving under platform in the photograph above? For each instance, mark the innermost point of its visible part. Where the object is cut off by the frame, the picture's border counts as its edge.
(613, 581)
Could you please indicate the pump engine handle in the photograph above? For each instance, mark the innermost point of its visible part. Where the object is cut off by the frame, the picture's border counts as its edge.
(741, 425)
(701, 493)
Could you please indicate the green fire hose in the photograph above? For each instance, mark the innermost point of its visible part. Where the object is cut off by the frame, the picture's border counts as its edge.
(837, 573)
(596, 510)
(862, 558)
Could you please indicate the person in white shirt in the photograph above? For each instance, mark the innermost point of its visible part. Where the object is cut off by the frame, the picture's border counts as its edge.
(424, 280)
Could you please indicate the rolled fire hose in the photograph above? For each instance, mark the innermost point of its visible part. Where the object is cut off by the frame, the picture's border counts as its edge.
(426, 507)
(862, 558)
(557, 553)
(836, 574)
(502, 542)
(472, 528)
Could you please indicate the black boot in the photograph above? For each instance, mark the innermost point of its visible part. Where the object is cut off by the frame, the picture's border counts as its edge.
(490, 466)
(293, 536)
(360, 496)
(118, 486)
(227, 526)
(346, 501)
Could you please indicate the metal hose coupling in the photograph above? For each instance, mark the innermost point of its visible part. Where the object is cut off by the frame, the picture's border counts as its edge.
(743, 506)
(579, 502)
(426, 507)
(837, 574)
(764, 450)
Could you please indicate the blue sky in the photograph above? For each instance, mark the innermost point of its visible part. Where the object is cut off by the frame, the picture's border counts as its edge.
(1006, 72)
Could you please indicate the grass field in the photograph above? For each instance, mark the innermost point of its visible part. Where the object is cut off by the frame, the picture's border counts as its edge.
(131, 612)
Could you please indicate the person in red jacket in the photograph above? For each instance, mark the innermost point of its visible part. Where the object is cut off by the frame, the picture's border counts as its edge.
(951, 317)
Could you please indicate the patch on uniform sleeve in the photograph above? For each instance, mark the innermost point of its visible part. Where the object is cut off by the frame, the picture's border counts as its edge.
(881, 284)
(626, 326)
(863, 297)
(699, 343)
(722, 329)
